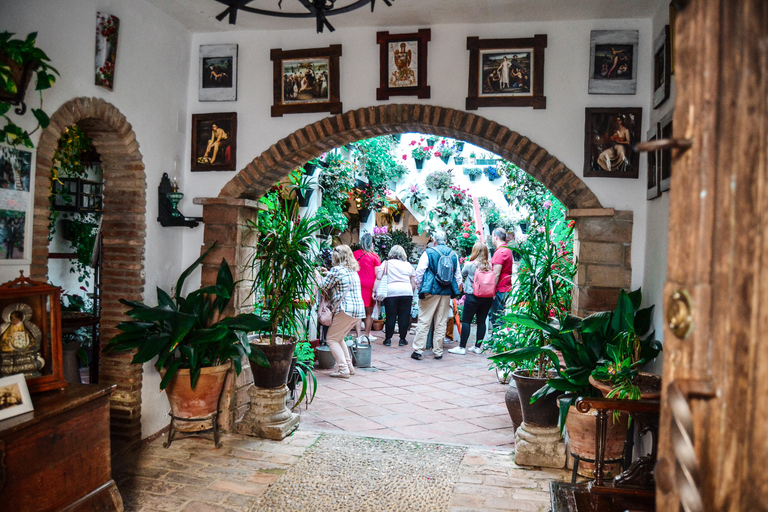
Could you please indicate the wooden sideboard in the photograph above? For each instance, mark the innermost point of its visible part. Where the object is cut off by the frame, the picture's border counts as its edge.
(58, 456)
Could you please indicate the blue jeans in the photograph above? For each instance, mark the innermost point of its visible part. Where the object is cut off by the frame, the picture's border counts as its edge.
(497, 308)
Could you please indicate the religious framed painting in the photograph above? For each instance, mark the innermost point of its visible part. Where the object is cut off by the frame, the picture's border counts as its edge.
(665, 155)
(306, 80)
(214, 142)
(610, 135)
(403, 64)
(652, 180)
(613, 61)
(218, 72)
(506, 72)
(661, 67)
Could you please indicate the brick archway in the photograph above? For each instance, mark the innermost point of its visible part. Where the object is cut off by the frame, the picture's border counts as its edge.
(124, 233)
(604, 236)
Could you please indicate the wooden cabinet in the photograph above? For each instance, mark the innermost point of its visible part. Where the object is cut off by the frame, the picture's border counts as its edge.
(58, 456)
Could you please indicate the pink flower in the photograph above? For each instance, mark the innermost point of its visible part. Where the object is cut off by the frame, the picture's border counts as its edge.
(547, 205)
(414, 189)
(571, 223)
(405, 157)
(465, 235)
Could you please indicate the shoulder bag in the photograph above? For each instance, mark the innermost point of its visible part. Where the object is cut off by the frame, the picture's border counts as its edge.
(381, 290)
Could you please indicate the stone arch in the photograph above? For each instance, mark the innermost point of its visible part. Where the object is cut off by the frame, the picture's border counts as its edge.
(124, 234)
(603, 235)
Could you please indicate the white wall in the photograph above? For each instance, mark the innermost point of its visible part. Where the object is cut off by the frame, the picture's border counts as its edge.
(156, 89)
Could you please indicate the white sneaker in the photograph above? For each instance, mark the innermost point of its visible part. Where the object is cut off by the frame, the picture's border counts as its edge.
(476, 350)
(458, 350)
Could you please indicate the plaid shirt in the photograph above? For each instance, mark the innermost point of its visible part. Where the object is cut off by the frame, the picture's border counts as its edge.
(338, 281)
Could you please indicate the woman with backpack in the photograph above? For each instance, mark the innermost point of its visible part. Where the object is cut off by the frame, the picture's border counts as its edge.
(480, 288)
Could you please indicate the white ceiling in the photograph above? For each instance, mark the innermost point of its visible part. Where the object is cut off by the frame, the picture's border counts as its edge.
(200, 15)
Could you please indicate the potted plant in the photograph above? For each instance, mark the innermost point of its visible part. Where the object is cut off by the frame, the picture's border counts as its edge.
(19, 58)
(444, 150)
(492, 173)
(473, 172)
(192, 341)
(420, 153)
(302, 371)
(285, 281)
(416, 198)
(303, 185)
(335, 220)
(439, 181)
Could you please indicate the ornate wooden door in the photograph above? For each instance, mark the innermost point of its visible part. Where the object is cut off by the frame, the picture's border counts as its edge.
(716, 359)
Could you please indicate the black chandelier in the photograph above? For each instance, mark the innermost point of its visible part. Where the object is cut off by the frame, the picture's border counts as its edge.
(317, 9)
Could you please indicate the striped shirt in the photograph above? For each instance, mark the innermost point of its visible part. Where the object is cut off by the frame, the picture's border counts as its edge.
(340, 281)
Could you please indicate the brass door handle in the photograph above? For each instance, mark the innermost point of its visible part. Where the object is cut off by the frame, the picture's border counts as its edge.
(679, 314)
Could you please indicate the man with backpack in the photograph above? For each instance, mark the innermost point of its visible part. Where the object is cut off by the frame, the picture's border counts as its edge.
(503, 266)
(437, 279)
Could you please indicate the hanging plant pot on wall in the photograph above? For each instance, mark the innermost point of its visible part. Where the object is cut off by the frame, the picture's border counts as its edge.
(445, 159)
(309, 168)
(458, 160)
(419, 163)
(459, 145)
(304, 197)
(364, 214)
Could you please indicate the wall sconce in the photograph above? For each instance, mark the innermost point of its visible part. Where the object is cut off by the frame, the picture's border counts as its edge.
(168, 198)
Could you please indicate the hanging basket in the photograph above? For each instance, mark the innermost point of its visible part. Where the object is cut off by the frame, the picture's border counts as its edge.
(459, 145)
(419, 163)
(458, 160)
(304, 197)
(445, 159)
(364, 214)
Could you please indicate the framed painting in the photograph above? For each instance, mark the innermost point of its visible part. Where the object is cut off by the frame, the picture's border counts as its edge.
(15, 198)
(218, 72)
(306, 80)
(107, 28)
(613, 61)
(214, 142)
(403, 64)
(665, 155)
(610, 135)
(661, 68)
(506, 72)
(14, 396)
(652, 187)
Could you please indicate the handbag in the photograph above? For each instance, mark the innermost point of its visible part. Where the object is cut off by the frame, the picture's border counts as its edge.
(381, 290)
(325, 310)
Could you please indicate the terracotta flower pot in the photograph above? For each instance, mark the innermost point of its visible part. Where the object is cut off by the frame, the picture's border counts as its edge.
(650, 385)
(581, 428)
(378, 325)
(201, 401)
(512, 401)
(541, 413)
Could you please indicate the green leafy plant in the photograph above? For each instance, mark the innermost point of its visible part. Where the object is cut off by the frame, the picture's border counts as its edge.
(473, 171)
(419, 152)
(416, 198)
(283, 265)
(189, 332)
(404, 240)
(334, 218)
(379, 161)
(336, 180)
(439, 180)
(491, 172)
(15, 54)
(304, 373)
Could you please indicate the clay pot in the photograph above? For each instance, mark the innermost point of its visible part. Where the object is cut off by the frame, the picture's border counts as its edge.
(512, 400)
(378, 325)
(201, 401)
(279, 357)
(581, 428)
(541, 413)
(648, 381)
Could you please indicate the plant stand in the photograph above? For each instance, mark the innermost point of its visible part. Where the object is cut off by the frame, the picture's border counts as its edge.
(539, 446)
(191, 427)
(268, 416)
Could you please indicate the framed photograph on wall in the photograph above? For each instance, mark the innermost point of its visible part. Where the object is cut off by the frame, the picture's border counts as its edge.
(665, 155)
(306, 80)
(661, 68)
(613, 61)
(214, 142)
(506, 72)
(218, 72)
(107, 28)
(15, 199)
(610, 135)
(14, 396)
(403, 64)
(652, 188)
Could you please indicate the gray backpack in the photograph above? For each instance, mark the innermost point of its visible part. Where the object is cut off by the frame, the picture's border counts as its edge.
(444, 273)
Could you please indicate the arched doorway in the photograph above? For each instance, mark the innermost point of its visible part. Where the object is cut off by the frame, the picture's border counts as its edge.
(124, 233)
(603, 236)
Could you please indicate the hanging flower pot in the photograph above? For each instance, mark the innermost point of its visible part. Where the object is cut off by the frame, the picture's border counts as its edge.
(431, 141)
(419, 163)
(364, 214)
(458, 160)
(309, 168)
(445, 159)
(304, 197)
(397, 137)
(472, 177)
(459, 145)
(396, 217)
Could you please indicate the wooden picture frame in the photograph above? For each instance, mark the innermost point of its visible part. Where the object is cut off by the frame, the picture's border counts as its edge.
(607, 152)
(506, 72)
(613, 61)
(403, 64)
(306, 80)
(652, 179)
(14, 396)
(661, 68)
(665, 155)
(30, 333)
(217, 79)
(15, 202)
(105, 62)
(214, 142)
(672, 22)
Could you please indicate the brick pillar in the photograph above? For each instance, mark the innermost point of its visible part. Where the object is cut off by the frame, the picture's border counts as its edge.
(225, 222)
(603, 246)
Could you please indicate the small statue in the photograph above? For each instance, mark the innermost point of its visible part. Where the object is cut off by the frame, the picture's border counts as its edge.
(20, 342)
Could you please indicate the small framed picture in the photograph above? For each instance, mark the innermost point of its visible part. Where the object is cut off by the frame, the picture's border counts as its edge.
(14, 396)
(665, 155)
(610, 135)
(613, 62)
(661, 68)
(306, 80)
(214, 142)
(403, 63)
(652, 188)
(506, 72)
(218, 72)
(107, 28)
(15, 200)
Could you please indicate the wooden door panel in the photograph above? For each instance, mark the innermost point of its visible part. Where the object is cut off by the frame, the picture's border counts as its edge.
(718, 251)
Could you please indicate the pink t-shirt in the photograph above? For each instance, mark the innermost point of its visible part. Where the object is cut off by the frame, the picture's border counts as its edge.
(503, 257)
